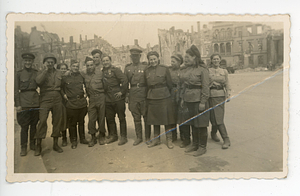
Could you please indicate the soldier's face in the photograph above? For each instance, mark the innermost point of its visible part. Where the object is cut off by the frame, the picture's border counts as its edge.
(106, 62)
(97, 58)
(75, 67)
(189, 60)
(90, 67)
(216, 61)
(27, 63)
(50, 63)
(153, 60)
(63, 69)
(135, 58)
(175, 63)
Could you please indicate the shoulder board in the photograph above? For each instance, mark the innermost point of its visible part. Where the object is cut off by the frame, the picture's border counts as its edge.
(19, 71)
(34, 69)
(128, 64)
(163, 66)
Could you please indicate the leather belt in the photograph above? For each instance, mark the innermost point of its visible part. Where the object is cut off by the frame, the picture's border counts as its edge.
(157, 86)
(217, 87)
(27, 90)
(138, 85)
(192, 86)
(77, 97)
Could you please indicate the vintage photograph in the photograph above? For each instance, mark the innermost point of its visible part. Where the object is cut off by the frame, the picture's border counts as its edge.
(147, 96)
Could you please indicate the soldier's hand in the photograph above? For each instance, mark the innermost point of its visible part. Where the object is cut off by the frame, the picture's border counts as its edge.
(118, 95)
(181, 103)
(66, 97)
(126, 100)
(201, 107)
(19, 109)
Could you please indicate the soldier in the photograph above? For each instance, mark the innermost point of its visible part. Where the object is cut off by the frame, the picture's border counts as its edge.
(137, 94)
(195, 95)
(96, 109)
(64, 68)
(27, 101)
(115, 84)
(176, 70)
(73, 92)
(49, 81)
(160, 109)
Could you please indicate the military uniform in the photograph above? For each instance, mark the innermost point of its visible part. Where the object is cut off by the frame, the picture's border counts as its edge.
(160, 107)
(115, 81)
(219, 89)
(196, 91)
(96, 110)
(137, 98)
(72, 87)
(27, 97)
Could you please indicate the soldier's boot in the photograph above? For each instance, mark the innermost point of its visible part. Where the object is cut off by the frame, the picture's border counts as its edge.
(101, 138)
(32, 144)
(202, 141)
(174, 134)
(64, 138)
(156, 140)
(113, 136)
(186, 138)
(82, 135)
(213, 133)
(195, 144)
(202, 148)
(224, 136)
(55, 145)
(148, 134)
(139, 136)
(169, 140)
(93, 140)
(38, 148)
(23, 150)
(123, 133)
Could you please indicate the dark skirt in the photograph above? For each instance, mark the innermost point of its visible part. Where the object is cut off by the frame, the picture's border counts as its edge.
(193, 110)
(217, 114)
(160, 112)
(182, 114)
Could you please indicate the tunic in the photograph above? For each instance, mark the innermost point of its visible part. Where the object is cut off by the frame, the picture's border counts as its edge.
(160, 110)
(219, 87)
(196, 91)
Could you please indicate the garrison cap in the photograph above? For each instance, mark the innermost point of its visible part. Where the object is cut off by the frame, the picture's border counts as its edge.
(194, 50)
(49, 56)
(135, 51)
(88, 59)
(95, 51)
(73, 61)
(178, 57)
(28, 55)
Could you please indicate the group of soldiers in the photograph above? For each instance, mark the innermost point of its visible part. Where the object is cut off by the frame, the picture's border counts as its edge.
(101, 90)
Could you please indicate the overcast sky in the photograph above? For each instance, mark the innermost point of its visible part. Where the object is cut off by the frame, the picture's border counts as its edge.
(117, 33)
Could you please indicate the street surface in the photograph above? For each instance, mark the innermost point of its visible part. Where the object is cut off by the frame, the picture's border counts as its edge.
(254, 121)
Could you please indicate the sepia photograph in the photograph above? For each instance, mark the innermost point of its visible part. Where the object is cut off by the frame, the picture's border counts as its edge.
(147, 96)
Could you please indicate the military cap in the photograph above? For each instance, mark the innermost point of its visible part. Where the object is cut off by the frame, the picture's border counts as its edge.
(28, 55)
(88, 59)
(135, 51)
(49, 56)
(178, 57)
(95, 51)
(152, 53)
(194, 50)
(73, 61)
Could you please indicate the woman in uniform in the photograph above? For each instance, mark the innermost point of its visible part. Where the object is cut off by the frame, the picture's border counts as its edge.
(160, 107)
(219, 92)
(175, 70)
(64, 68)
(195, 95)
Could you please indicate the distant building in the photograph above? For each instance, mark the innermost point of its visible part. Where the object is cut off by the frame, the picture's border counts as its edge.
(241, 44)
(21, 46)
